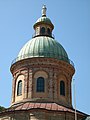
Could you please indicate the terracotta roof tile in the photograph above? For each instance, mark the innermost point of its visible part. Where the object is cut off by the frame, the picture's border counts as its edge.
(54, 106)
(43, 105)
(25, 106)
(18, 108)
(31, 105)
(47, 106)
(37, 105)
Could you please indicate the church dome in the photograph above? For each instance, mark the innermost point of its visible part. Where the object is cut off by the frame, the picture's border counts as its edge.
(43, 43)
(43, 46)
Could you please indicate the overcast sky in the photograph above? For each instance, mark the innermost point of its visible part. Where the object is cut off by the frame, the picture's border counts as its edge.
(71, 19)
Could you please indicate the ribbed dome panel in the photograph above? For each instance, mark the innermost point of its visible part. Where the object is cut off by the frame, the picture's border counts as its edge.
(43, 47)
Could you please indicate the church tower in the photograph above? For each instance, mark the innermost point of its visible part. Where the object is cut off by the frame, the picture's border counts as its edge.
(42, 75)
(42, 72)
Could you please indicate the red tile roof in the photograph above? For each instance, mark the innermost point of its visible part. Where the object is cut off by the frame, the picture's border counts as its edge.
(47, 106)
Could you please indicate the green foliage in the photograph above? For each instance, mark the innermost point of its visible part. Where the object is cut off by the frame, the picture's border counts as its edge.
(1, 108)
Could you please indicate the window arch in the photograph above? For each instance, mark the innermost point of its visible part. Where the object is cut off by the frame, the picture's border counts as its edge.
(19, 88)
(42, 30)
(49, 32)
(40, 84)
(62, 88)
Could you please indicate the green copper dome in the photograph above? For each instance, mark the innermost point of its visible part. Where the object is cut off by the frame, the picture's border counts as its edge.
(43, 46)
(43, 20)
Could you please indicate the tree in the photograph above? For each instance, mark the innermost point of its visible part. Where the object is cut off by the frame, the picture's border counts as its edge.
(1, 108)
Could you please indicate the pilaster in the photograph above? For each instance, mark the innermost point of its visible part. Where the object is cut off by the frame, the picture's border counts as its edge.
(55, 85)
(30, 84)
(50, 84)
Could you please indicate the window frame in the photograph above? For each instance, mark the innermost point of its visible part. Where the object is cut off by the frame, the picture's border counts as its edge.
(49, 31)
(42, 30)
(40, 84)
(19, 88)
(62, 88)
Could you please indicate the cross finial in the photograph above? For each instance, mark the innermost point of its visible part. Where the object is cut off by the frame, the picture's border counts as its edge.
(44, 10)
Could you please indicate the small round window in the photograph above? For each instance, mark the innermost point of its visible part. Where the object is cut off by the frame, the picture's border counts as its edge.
(42, 30)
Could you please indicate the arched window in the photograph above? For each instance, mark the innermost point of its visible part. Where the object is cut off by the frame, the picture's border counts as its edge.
(42, 30)
(40, 84)
(19, 88)
(49, 32)
(62, 88)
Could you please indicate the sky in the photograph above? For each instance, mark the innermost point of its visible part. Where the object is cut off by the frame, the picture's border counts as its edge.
(71, 19)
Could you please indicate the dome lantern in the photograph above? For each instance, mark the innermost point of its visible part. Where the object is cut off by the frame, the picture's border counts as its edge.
(43, 26)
